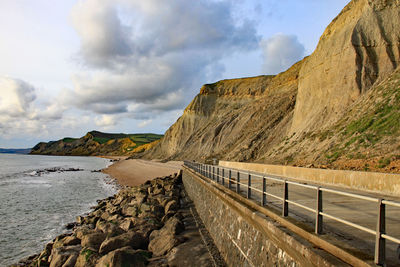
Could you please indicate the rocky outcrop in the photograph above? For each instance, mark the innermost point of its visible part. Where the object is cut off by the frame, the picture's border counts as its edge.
(136, 227)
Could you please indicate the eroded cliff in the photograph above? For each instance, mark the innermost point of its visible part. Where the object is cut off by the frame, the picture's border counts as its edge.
(310, 114)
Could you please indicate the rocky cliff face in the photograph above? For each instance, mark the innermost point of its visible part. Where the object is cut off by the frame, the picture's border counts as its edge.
(359, 48)
(233, 119)
(305, 115)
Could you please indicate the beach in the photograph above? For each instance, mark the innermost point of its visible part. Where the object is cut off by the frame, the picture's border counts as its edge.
(133, 172)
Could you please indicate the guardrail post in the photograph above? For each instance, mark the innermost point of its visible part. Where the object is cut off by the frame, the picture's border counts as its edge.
(223, 176)
(217, 174)
(285, 206)
(264, 189)
(380, 242)
(213, 172)
(249, 186)
(230, 179)
(318, 216)
(237, 183)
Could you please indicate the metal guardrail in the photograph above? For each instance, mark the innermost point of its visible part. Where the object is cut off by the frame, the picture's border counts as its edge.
(223, 175)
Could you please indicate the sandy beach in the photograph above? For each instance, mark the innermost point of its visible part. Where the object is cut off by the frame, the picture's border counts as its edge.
(132, 172)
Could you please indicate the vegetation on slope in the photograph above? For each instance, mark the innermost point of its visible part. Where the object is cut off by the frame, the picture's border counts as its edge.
(96, 143)
(365, 137)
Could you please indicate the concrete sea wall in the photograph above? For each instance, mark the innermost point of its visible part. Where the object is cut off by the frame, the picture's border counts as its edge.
(245, 236)
(382, 183)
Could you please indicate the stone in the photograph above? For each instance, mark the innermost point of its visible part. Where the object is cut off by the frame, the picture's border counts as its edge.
(71, 241)
(163, 240)
(83, 230)
(87, 258)
(144, 207)
(105, 215)
(109, 228)
(67, 241)
(161, 244)
(132, 239)
(171, 206)
(124, 257)
(158, 190)
(126, 224)
(60, 256)
(130, 211)
(158, 210)
(93, 240)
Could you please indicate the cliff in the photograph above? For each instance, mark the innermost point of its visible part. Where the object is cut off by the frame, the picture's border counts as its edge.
(336, 108)
(96, 143)
(357, 50)
(235, 119)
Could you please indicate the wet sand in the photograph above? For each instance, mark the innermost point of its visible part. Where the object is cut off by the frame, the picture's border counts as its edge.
(134, 172)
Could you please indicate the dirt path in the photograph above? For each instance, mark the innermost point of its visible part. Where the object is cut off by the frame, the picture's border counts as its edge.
(136, 171)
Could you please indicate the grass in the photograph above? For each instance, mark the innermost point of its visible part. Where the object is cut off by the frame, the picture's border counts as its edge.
(384, 162)
(88, 253)
(101, 140)
(69, 139)
(379, 122)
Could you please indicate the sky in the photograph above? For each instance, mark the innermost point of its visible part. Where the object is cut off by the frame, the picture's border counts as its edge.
(132, 66)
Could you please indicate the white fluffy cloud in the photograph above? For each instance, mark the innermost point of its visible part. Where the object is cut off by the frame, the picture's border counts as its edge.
(16, 97)
(20, 112)
(106, 121)
(152, 54)
(280, 52)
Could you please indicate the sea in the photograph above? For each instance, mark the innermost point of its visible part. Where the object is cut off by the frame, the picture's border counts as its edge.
(39, 195)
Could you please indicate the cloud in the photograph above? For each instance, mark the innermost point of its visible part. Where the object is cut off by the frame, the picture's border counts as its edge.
(96, 21)
(21, 113)
(152, 54)
(16, 97)
(106, 121)
(144, 123)
(280, 52)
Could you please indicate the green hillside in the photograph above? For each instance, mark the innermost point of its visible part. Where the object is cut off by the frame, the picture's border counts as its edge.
(96, 143)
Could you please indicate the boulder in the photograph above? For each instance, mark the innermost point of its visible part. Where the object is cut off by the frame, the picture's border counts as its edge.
(171, 206)
(126, 224)
(144, 207)
(67, 241)
(87, 258)
(109, 228)
(64, 255)
(132, 239)
(124, 257)
(163, 240)
(161, 244)
(93, 240)
(130, 210)
(83, 230)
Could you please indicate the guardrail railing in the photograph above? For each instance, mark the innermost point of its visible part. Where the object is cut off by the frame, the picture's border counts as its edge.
(234, 177)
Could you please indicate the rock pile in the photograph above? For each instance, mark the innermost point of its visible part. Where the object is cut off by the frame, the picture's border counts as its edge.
(131, 228)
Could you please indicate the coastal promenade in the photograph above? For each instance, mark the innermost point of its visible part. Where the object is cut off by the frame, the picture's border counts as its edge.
(348, 219)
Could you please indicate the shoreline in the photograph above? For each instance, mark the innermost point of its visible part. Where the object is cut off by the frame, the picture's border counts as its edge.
(151, 224)
(135, 172)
